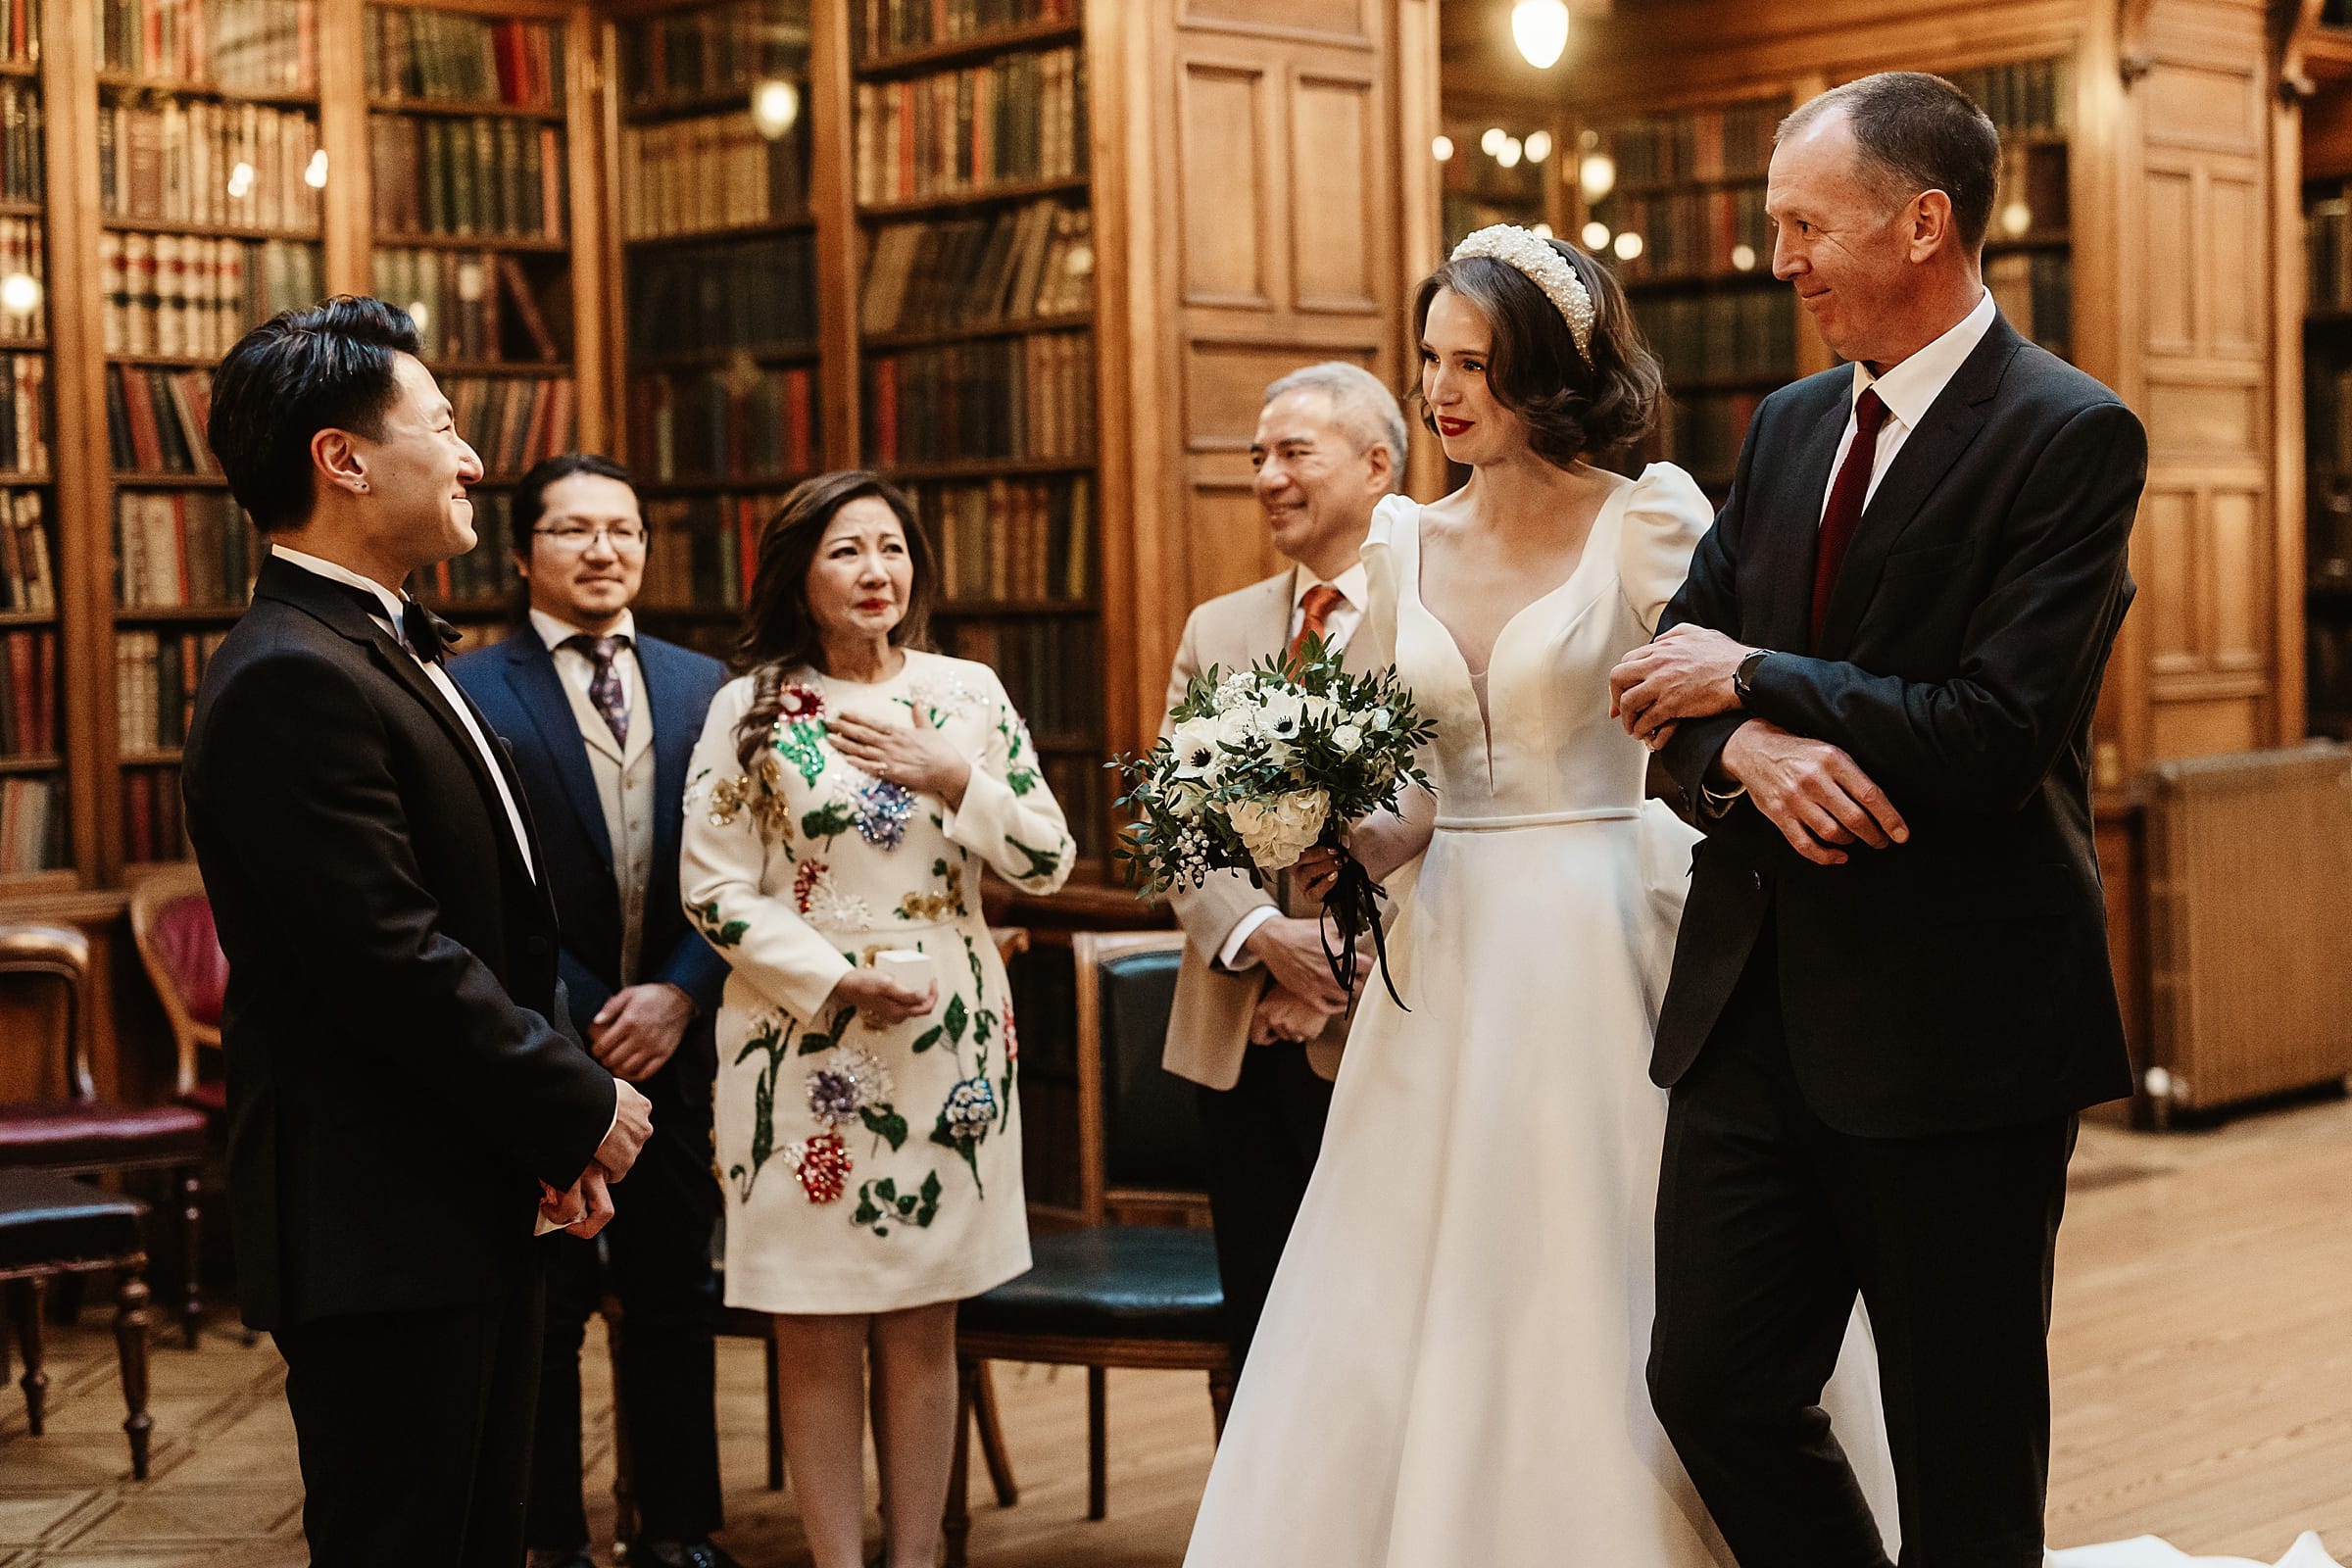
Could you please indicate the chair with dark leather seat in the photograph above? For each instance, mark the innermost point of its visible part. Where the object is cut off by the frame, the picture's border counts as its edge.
(1111, 1294)
(52, 1225)
(82, 1135)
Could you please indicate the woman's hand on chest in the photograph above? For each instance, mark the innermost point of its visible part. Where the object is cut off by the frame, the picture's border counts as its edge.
(921, 758)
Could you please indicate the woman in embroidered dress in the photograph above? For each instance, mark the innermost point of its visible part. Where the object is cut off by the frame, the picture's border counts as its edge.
(844, 797)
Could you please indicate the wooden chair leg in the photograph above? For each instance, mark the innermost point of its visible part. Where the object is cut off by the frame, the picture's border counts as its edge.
(1220, 1396)
(992, 1437)
(131, 1348)
(775, 1419)
(190, 1183)
(24, 1301)
(624, 1461)
(1098, 1443)
(956, 1526)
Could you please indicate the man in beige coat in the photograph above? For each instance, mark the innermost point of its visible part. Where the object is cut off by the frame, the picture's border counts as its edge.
(1259, 1022)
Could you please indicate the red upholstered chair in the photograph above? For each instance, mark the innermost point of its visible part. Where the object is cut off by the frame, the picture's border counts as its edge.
(171, 921)
(80, 1134)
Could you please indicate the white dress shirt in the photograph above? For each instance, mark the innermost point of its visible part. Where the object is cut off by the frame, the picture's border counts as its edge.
(1338, 624)
(577, 668)
(390, 621)
(1909, 390)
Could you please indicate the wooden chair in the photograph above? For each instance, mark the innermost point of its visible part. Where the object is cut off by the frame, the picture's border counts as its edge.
(82, 1134)
(171, 925)
(736, 1322)
(1111, 1294)
(53, 1226)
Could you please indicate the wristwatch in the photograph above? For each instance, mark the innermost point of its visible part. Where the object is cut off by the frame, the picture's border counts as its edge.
(1743, 679)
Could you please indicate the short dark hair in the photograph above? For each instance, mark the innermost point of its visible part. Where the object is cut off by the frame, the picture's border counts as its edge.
(1917, 134)
(530, 492)
(1572, 407)
(328, 366)
(779, 633)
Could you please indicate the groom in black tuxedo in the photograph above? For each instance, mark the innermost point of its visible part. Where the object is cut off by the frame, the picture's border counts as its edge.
(1891, 993)
(405, 1095)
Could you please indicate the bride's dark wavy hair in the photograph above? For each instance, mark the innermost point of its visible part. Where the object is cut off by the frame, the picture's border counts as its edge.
(1572, 410)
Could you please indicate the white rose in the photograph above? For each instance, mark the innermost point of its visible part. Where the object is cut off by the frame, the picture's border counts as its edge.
(1380, 719)
(1196, 746)
(1347, 738)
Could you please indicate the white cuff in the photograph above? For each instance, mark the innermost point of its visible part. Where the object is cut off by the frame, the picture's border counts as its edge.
(1233, 957)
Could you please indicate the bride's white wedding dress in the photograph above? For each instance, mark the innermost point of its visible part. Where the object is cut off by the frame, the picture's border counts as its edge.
(2149, 1553)
(1449, 1372)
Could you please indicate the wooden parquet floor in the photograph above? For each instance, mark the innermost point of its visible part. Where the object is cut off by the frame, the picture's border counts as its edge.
(2202, 1361)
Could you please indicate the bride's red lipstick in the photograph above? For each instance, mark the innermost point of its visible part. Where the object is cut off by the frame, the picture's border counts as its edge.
(1447, 427)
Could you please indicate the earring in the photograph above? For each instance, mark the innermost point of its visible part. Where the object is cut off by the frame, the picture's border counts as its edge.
(362, 484)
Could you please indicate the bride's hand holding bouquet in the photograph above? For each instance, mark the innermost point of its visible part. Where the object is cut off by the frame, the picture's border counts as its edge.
(1265, 764)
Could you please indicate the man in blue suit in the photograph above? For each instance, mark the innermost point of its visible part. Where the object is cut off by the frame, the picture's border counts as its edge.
(602, 722)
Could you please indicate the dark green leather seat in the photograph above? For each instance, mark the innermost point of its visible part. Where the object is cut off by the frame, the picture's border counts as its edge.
(1144, 1282)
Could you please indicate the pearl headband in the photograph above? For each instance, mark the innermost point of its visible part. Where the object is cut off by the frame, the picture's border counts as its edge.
(1546, 268)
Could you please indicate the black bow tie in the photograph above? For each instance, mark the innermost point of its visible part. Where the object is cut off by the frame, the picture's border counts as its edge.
(427, 635)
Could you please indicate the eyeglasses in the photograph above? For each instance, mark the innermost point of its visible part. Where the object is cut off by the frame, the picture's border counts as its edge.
(625, 537)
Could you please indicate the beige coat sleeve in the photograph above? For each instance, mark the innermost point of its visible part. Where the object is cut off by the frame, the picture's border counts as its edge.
(1208, 912)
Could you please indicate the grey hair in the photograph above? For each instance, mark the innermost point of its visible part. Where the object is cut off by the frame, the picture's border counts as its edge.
(1916, 132)
(1368, 409)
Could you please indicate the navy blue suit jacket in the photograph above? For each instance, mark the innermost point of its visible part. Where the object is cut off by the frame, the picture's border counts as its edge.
(518, 687)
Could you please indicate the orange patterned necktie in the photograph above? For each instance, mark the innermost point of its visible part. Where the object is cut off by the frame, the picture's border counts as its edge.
(1315, 612)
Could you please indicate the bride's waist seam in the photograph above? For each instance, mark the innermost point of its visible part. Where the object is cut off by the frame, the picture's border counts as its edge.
(1498, 824)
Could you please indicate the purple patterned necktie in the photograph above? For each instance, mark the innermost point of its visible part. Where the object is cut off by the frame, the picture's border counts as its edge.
(604, 687)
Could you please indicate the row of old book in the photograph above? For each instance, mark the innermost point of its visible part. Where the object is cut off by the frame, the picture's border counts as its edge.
(2032, 96)
(21, 31)
(1746, 334)
(2328, 414)
(156, 678)
(750, 295)
(28, 693)
(1029, 540)
(1734, 142)
(28, 564)
(32, 826)
(151, 815)
(478, 305)
(1051, 667)
(2328, 249)
(491, 176)
(513, 421)
(447, 57)
(155, 421)
(1021, 116)
(177, 548)
(703, 551)
(685, 55)
(1021, 398)
(23, 249)
(893, 26)
(184, 294)
(1035, 260)
(726, 423)
(485, 572)
(24, 415)
(236, 45)
(1703, 433)
(23, 167)
(198, 162)
(709, 172)
(2330, 666)
(2035, 291)
(1690, 233)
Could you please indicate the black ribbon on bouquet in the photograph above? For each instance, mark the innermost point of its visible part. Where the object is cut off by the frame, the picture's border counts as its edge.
(1352, 907)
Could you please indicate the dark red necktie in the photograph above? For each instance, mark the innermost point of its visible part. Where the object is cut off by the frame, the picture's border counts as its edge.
(1844, 510)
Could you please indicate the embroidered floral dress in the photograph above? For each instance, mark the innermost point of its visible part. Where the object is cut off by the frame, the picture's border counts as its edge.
(866, 1169)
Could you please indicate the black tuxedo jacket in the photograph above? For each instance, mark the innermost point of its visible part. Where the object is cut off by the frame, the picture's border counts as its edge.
(1959, 981)
(517, 684)
(402, 1072)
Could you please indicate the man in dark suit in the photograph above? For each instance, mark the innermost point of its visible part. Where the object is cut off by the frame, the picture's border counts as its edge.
(602, 722)
(405, 1094)
(1891, 991)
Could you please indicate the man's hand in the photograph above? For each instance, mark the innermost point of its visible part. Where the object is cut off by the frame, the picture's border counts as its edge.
(1291, 949)
(1283, 1014)
(639, 1029)
(598, 1197)
(1686, 673)
(1812, 791)
(632, 1125)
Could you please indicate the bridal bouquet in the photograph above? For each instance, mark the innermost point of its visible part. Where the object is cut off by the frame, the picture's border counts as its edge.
(1264, 763)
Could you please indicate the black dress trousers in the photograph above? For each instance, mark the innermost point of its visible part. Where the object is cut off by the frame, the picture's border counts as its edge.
(1260, 1138)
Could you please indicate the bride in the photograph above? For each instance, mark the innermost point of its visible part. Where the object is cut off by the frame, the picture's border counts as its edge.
(1449, 1370)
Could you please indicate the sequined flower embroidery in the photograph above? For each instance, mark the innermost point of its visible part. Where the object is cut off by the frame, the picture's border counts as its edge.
(936, 906)
(796, 702)
(971, 1107)
(822, 1166)
(820, 897)
(728, 797)
(945, 696)
(882, 812)
(805, 882)
(801, 743)
(846, 1081)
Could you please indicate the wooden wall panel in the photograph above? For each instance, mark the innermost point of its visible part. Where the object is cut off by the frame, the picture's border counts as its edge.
(1223, 233)
(1335, 19)
(1332, 263)
(2172, 270)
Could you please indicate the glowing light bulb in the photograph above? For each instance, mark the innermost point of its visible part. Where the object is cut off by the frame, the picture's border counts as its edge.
(1508, 153)
(2015, 218)
(1596, 235)
(1539, 27)
(1744, 257)
(19, 293)
(419, 315)
(776, 108)
(1538, 146)
(240, 183)
(1628, 246)
(1442, 148)
(315, 175)
(1491, 142)
(1542, 231)
(1597, 174)
(472, 281)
